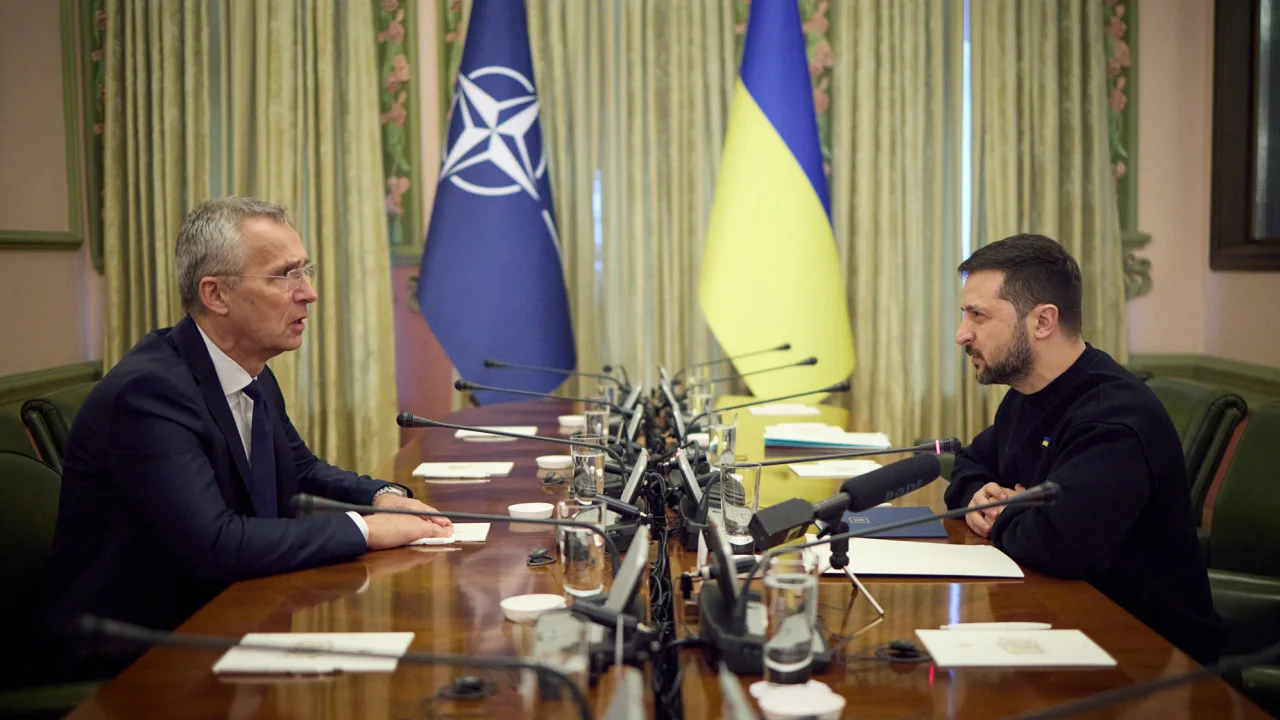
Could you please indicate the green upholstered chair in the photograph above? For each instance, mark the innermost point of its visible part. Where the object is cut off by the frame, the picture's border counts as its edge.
(1244, 551)
(49, 418)
(13, 434)
(28, 514)
(1205, 417)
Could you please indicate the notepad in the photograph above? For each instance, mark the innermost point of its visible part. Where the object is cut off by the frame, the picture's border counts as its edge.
(1014, 649)
(834, 468)
(316, 660)
(462, 533)
(819, 435)
(478, 436)
(463, 469)
(785, 409)
(907, 558)
(877, 516)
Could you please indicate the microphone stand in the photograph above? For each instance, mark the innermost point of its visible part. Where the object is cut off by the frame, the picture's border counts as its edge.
(408, 420)
(92, 627)
(842, 386)
(840, 561)
(938, 447)
(467, 385)
(561, 371)
(302, 502)
(680, 373)
(1042, 493)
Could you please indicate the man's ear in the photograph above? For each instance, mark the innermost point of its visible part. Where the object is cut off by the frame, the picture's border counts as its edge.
(213, 295)
(1044, 321)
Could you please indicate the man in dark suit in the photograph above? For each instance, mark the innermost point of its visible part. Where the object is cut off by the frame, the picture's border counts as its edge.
(181, 464)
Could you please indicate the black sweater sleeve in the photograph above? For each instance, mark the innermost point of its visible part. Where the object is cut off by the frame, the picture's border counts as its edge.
(976, 465)
(1105, 484)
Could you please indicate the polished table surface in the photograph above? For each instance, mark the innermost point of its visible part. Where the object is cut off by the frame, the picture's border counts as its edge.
(448, 596)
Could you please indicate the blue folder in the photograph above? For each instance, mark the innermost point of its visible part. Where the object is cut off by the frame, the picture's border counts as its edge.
(885, 515)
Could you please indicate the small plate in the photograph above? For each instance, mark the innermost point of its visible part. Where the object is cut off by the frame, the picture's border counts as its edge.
(531, 511)
(527, 608)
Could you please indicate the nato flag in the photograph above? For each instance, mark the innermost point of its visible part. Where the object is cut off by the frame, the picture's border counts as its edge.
(491, 283)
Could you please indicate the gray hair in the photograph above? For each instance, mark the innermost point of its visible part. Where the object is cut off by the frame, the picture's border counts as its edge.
(209, 243)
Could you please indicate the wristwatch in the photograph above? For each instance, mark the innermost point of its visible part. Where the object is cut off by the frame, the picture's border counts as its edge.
(389, 489)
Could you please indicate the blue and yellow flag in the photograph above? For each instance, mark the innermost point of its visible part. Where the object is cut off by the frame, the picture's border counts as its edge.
(770, 272)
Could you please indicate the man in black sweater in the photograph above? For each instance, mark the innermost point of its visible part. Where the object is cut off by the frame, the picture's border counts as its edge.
(1073, 415)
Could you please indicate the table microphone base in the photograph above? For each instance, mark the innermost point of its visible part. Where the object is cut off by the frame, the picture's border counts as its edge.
(743, 653)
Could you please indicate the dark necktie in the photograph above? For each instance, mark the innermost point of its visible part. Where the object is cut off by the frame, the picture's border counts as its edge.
(262, 456)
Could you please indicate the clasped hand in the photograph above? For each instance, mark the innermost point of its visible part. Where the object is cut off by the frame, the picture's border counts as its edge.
(980, 522)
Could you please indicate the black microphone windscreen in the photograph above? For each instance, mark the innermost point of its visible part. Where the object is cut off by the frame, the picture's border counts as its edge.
(784, 346)
(808, 361)
(461, 384)
(950, 446)
(409, 420)
(891, 481)
(492, 363)
(842, 386)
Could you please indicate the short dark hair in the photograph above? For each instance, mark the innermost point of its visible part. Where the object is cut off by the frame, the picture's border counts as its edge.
(1037, 271)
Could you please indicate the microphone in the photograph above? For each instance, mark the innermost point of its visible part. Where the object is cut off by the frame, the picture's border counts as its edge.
(626, 377)
(500, 365)
(842, 386)
(799, 363)
(941, 446)
(468, 385)
(780, 348)
(1075, 707)
(1045, 492)
(307, 503)
(91, 627)
(409, 420)
(783, 522)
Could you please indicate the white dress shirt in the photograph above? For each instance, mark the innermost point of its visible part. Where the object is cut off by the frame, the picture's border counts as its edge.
(234, 379)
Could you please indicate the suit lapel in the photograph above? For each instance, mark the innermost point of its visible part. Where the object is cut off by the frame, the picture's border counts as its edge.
(186, 337)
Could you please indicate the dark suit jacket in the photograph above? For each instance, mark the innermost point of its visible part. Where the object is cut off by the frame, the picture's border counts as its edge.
(155, 516)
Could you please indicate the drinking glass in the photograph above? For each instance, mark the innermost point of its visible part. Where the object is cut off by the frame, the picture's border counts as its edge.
(597, 418)
(582, 551)
(739, 501)
(588, 467)
(722, 438)
(791, 604)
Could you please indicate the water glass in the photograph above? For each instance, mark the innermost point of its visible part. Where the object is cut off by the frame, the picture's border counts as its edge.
(588, 467)
(791, 608)
(739, 501)
(563, 643)
(582, 551)
(722, 438)
(597, 418)
(697, 399)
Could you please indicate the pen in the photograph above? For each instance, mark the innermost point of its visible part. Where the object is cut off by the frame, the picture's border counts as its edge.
(997, 626)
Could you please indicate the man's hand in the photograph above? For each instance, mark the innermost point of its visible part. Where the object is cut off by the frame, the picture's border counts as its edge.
(392, 500)
(392, 531)
(981, 522)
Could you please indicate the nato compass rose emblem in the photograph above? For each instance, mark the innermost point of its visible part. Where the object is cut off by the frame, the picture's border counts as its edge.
(495, 142)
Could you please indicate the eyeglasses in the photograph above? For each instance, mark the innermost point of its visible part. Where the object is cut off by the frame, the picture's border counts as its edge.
(292, 279)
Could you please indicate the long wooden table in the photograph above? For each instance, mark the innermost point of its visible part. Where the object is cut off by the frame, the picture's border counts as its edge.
(448, 596)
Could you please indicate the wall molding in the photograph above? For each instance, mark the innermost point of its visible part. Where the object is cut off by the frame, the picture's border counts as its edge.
(24, 386)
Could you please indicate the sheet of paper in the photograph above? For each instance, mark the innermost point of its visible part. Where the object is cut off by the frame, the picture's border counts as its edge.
(463, 469)
(784, 409)
(869, 556)
(1014, 648)
(244, 660)
(834, 468)
(462, 533)
(818, 435)
(477, 436)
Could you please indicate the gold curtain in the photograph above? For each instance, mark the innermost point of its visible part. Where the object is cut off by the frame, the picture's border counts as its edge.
(1041, 153)
(896, 91)
(279, 100)
(635, 98)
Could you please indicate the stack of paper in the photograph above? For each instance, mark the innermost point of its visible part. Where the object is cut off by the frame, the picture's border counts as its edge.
(317, 658)
(904, 557)
(1013, 648)
(462, 533)
(834, 468)
(463, 469)
(478, 436)
(785, 409)
(820, 435)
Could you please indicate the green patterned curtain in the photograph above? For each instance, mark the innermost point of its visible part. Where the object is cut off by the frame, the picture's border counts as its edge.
(396, 25)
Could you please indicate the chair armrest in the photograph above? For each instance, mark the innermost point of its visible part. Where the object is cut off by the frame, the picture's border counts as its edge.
(1250, 604)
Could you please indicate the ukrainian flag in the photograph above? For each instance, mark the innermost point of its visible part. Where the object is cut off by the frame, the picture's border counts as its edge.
(770, 272)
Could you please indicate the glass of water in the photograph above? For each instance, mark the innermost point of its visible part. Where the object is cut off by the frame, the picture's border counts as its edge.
(697, 399)
(722, 438)
(739, 501)
(597, 418)
(791, 608)
(581, 550)
(588, 467)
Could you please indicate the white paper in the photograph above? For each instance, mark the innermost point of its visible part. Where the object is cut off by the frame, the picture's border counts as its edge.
(1020, 648)
(462, 533)
(873, 556)
(477, 436)
(785, 409)
(821, 435)
(834, 468)
(244, 660)
(463, 469)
